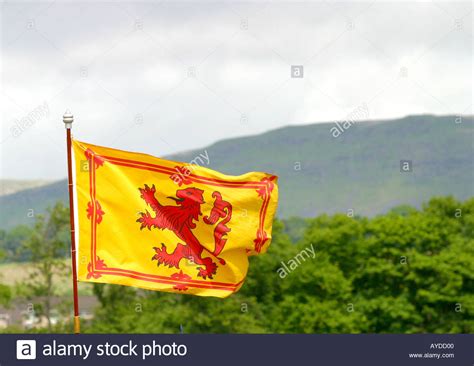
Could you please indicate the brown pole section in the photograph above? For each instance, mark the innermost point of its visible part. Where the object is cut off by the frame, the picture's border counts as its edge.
(68, 119)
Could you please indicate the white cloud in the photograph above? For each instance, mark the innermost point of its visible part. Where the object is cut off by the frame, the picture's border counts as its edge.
(111, 62)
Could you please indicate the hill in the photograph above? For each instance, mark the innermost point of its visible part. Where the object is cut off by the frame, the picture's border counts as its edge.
(9, 186)
(21, 207)
(358, 170)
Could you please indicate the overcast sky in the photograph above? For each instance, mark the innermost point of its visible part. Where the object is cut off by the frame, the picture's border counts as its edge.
(163, 77)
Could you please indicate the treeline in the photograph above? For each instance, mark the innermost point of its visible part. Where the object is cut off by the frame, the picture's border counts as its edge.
(408, 271)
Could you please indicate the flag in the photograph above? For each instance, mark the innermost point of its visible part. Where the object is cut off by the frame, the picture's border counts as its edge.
(163, 225)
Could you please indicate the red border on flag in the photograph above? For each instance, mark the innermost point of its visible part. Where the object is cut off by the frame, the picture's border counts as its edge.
(181, 282)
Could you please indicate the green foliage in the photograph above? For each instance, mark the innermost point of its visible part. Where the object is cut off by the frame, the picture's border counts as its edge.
(295, 227)
(47, 246)
(408, 271)
(11, 241)
(5, 295)
(124, 308)
(5, 292)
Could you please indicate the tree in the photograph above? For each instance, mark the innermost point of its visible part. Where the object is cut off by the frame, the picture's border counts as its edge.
(47, 246)
(408, 271)
(11, 241)
(5, 292)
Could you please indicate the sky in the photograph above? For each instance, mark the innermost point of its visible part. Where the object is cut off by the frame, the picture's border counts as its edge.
(168, 76)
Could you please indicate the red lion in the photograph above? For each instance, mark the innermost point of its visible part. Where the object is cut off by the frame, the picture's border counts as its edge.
(180, 220)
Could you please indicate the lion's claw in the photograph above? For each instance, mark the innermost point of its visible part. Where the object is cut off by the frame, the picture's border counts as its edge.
(209, 270)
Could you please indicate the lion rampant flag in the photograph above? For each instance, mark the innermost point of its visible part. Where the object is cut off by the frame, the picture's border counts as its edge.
(167, 226)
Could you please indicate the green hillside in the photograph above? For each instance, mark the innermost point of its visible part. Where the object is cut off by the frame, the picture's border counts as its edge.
(20, 207)
(359, 170)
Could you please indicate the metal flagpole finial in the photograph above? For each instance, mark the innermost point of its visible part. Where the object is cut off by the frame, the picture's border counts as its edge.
(68, 119)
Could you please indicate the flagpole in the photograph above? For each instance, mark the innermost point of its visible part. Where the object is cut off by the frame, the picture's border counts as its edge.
(68, 118)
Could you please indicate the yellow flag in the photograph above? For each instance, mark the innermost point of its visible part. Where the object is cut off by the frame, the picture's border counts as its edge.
(168, 226)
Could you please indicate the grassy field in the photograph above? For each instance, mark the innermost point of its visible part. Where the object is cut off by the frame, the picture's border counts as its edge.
(14, 273)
